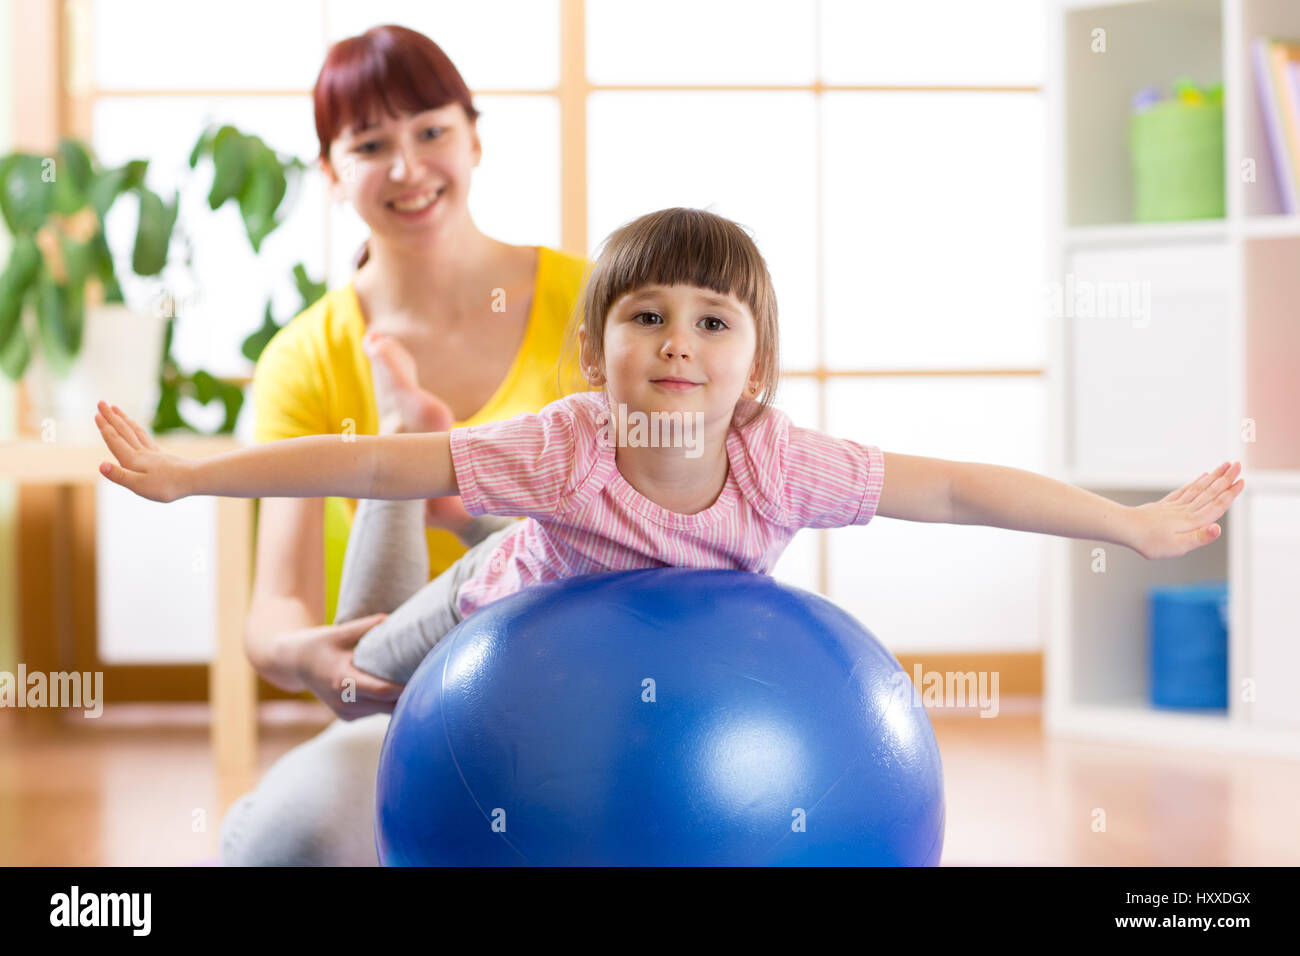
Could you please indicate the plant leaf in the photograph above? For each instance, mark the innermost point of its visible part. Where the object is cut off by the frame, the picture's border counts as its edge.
(57, 325)
(255, 343)
(262, 193)
(24, 262)
(168, 415)
(203, 145)
(77, 164)
(25, 198)
(15, 352)
(111, 183)
(102, 259)
(230, 160)
(78, 259)
(154, 234)
(309, 290)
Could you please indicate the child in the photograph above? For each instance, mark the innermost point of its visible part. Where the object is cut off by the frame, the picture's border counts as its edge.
(679, 460)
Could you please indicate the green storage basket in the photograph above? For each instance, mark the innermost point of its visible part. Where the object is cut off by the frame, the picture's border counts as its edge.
(1178, 161)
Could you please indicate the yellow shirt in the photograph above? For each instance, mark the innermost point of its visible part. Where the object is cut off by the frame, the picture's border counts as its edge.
(313, 379)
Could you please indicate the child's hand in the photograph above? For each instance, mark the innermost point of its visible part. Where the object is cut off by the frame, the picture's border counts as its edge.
(1184, 519)
(144, 469)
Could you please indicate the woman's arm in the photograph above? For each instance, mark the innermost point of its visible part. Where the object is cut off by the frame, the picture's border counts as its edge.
(416, 465)
(284, 635)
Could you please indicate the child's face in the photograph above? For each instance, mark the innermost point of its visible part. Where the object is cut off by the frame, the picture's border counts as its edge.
(681, 331)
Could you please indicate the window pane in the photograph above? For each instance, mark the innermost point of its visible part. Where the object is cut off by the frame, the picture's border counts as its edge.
(649, 151)
(933, 42)
(515, 196)
(235, 44)
(495, 44)
(942, 587)
(685, 41)
(933, 230)
(222, 299)
(160, 557)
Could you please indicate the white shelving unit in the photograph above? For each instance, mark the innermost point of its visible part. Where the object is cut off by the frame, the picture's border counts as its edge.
(1147, 402)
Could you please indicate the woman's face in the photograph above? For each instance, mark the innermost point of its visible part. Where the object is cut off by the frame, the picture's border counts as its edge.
(407, 177)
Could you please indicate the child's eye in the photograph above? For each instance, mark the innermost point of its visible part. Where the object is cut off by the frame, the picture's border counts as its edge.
(366, 147)
(435, 130)
(708, 318)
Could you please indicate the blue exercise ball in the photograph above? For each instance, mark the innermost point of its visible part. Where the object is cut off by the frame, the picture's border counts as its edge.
(669, 716)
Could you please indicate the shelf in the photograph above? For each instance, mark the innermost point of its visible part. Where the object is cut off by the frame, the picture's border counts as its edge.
(77, 462)
(1123, 234)
(1107, 613)
(1096, 4)
(1148, 389)
(1151, 484)
(1147, 44)
(1191, 362)
(1133, 724)
(1270, 479)
(1263, 479)
(1270, 227)
(1260, 200)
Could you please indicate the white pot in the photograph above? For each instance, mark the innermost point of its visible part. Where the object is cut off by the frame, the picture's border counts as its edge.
(121, 352)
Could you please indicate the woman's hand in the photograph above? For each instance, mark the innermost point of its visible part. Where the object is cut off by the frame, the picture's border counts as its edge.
(321, 660)
(1184, 519)
(144, 469)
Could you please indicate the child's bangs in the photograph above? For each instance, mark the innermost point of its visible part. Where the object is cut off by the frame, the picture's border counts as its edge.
(684, 252)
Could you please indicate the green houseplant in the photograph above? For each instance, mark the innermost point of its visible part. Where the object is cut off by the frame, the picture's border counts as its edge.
(60, 263)
(54, 208)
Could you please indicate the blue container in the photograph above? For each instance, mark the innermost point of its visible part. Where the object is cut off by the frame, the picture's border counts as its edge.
(1188, 624)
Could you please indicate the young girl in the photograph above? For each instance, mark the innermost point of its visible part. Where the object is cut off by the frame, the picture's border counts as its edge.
(680, 459)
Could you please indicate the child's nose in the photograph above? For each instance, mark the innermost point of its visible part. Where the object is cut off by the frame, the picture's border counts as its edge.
(674, 344)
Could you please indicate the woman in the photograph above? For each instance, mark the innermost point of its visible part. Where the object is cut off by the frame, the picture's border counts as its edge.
(476, 321)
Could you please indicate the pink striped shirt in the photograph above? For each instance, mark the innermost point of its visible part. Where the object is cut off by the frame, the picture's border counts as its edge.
(556, 468)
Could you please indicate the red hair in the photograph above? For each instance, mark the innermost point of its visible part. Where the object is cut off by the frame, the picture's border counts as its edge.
(390, 68)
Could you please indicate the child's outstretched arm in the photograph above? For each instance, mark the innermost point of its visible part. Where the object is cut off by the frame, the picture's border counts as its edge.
(416, 465)
(932, 489)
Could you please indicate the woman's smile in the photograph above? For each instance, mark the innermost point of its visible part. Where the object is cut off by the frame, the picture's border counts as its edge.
(417, 204)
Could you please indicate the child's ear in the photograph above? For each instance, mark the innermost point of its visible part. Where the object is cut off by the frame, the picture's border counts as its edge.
(589, 369)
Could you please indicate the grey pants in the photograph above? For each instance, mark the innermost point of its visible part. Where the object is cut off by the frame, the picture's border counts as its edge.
(316, 804)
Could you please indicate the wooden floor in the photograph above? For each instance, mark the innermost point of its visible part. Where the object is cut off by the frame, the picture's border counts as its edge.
(128, 790)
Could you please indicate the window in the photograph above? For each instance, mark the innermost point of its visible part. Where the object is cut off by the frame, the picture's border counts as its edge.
(888, 157)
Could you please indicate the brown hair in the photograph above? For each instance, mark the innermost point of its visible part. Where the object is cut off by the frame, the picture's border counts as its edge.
(387, 68)
(679, 247)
